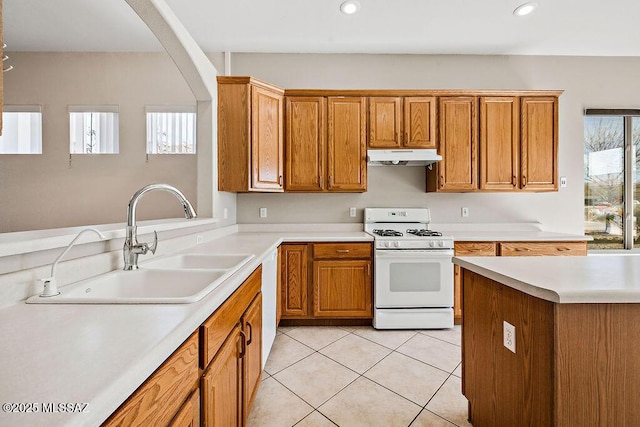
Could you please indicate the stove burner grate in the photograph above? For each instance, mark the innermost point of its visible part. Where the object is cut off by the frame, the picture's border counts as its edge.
(387, 233)
(424, 232)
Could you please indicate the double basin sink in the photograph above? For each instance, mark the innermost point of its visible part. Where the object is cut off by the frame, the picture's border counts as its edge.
(172, 279)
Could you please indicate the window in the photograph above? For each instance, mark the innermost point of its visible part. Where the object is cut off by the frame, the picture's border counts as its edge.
(171, 130)
(611, 178)
(93, 129)
(21, 130)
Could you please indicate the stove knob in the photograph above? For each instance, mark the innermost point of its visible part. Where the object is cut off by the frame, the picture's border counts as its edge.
(432, 244)
(441, 244)
(387, 244)
(396, 244)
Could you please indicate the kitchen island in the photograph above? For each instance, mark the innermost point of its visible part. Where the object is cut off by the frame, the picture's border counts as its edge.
(576, 341)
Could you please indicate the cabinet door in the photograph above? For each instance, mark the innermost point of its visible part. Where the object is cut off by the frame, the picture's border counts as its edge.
(539, 144)
(305, 143)
(347, 151)
(499, 143)
(467, 249)
(294, 281)
(420, 122)
(342, 289)
(458, 144)
(222, 385)
(252, 327)
(385, 122)
(160, 397)
(266, 140)
(189, 414)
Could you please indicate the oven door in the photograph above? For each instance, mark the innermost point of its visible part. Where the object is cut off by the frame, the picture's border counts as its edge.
(413, 278)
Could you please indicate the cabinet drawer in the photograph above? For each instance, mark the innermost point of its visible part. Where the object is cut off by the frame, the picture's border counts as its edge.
(543, 248)
(157, 401)
(220, 324)
(341, 250)
(475, 248)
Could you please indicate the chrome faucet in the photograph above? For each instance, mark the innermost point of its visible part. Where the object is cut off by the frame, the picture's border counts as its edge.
(132, 248)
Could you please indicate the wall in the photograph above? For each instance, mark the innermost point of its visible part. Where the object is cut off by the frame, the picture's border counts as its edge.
(587, 82)
(46, 191)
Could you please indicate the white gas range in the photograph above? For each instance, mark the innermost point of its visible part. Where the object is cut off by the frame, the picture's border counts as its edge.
(413, 286)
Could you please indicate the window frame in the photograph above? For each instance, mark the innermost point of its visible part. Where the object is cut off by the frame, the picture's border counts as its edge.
(25, 108)
(115, 109)
(628, 115)
(171, 109)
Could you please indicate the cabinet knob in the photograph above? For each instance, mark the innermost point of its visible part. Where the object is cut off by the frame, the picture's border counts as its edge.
(280, 180)
(243, 344)
(514, 180)
(250, 333)
(524, 181)
(406, 137)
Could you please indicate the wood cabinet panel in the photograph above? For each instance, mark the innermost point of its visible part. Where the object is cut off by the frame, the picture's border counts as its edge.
(267, 139)
(252, 328)
(341, 250)
(250, 135)
(218, 326)
(306, 135)
(385, 122)
(539, 144)
(499, 143)
(189, 414)
(294, 280)
(542, 248)
(221, 385)
(347, 153)
(342, 289)
(496, 379)
(475, 248)
(420, 122)
(458, 141)
(160, 397)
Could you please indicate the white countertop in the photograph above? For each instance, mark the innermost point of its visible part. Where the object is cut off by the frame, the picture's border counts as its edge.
(100, 354)
(564, 279)
(506, 232)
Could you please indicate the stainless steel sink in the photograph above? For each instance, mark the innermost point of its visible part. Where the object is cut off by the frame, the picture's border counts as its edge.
(170, 280)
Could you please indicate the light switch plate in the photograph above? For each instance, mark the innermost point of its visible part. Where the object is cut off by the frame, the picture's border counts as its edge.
(263, 212)
(464, 212)
(352, 212)
(563, 181)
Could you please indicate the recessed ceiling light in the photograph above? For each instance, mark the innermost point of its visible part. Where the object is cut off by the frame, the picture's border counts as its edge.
(525, 9)
(350, 7)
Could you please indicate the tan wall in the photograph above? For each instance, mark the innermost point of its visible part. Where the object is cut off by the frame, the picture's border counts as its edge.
(587, 82)
(44, 191)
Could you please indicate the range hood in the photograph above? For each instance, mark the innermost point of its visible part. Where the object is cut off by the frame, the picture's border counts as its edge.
(422, 157)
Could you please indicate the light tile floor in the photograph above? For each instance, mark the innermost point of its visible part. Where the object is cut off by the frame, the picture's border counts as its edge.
(358, 376)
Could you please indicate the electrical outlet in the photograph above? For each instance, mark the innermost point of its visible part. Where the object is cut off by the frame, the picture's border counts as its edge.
(563, 181)
(263, 212)
(464, 212)
(509, 336)
(352, 212)
(199, 239)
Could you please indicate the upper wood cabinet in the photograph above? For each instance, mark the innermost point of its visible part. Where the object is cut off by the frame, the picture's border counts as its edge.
(539, 144)
(305, 143)
(499, 143)
(518, 147)
(396, 122)
(458, 146)
(250, 135)
(347, 144)
(326, 144)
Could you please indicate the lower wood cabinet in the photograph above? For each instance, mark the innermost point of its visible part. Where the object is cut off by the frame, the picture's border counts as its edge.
(326, 280)
(163, 396)
(213, 377)
(507, 249)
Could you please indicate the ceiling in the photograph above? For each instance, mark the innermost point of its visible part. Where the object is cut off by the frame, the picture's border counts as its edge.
(557, 27)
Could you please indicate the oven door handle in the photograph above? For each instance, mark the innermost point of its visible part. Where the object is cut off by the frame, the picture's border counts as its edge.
(408, 253)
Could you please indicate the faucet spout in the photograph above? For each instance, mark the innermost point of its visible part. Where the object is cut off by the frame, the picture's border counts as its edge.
(132, 248)
(50, 283)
